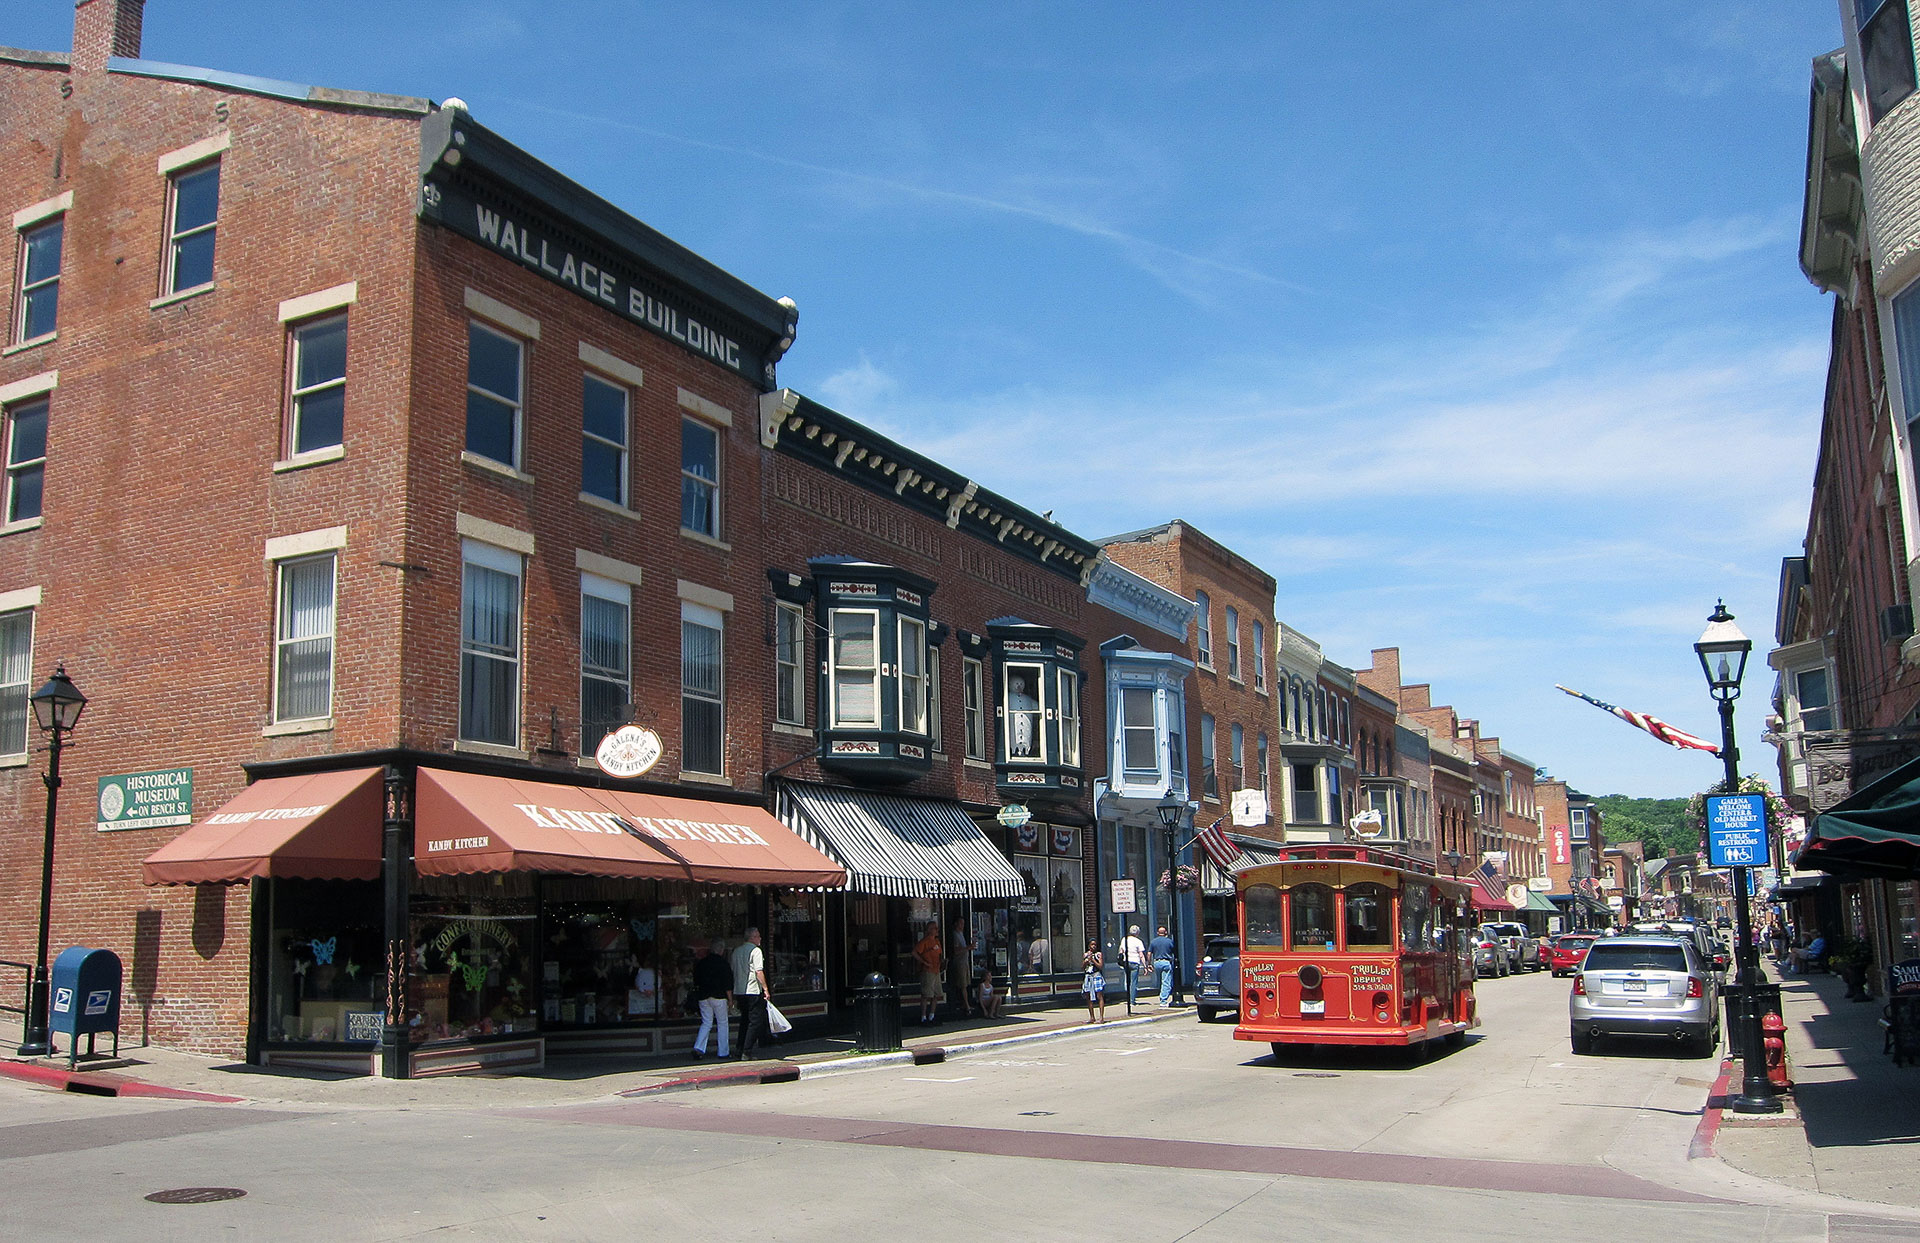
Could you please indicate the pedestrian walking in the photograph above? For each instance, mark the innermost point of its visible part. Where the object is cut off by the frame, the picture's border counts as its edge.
(751, 991)
(960, 968)
(1133, 960)
(713, 991)
(1161, 950)
(1094, 982)
(927, 954)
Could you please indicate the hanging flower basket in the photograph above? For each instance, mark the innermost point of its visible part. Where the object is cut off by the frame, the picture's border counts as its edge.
(1185, 877)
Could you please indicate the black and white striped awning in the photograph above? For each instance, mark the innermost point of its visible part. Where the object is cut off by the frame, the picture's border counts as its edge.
(899, 847)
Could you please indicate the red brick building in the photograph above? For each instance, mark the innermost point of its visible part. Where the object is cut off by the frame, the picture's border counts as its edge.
(444, 470)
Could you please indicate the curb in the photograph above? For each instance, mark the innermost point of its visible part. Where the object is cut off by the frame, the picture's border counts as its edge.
(1712, 1115)
(101, 1083)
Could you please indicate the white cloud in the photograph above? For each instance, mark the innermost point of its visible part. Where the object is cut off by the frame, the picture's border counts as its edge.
(858, 386)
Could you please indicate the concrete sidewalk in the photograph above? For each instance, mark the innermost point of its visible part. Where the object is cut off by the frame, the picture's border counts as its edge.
(1852, 1126)
(158, 1072)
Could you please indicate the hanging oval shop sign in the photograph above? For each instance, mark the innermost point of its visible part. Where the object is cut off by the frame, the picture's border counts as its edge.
(1013, 815)
(628, 751)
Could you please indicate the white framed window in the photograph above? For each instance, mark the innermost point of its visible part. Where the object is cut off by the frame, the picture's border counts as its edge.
(26, 457)
(316, 384)
(699, 477)
(1814, 703)
(1069, 718)
(1139, 735)
(935, 730)
(603, 439)
(490, 594)
(1209, 778)
(1577, 820)
(16, 680)
(1233, 642)
(496, 387)
(303, 638)
(853, 667)
(702, 689)
(37, 293)
(193, 211)
(606, 658)
(1023, 691)
(913, 676)
(1203, 622)
(1259, 656)
(790, 663)
(973, 711)
(1886, 47)
(1306, 793)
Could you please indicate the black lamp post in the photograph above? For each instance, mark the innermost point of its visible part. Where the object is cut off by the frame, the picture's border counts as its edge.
(1454, 859)
(1171, 810)
(1723, 653)
(56, 709)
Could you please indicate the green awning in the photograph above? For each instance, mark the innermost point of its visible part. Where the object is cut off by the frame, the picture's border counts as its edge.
(1875, 831)
(1538, 902)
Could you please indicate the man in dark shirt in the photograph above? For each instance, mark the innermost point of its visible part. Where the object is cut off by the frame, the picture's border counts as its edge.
(1160, 949)
(713, 987)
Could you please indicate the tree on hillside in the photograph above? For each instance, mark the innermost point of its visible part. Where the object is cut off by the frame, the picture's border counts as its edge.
(1658, 824)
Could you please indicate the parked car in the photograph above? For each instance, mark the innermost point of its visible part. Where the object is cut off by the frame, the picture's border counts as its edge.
(1216, 984)
(1652, 986)
(1489, 956)
(1523, 952)
(1708, 946)
(1565, 951)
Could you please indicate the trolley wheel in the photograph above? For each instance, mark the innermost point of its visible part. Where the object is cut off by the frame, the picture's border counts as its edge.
(1457, 1039)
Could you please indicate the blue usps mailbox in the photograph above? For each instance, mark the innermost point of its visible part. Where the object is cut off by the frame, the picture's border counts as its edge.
(85, 997)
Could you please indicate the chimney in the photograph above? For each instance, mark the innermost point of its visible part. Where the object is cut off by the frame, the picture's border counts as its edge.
(103, 28)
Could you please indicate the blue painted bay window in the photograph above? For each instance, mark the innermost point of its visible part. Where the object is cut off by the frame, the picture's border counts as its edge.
(1147, 713)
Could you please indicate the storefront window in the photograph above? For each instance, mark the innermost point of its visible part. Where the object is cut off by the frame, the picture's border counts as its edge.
(325, 972)
(1312, 917)
(1064, 914)
(795, 938)
(1369, 909)
(622, 951)
(1032, 943)
(1261, 907)
(473, 955)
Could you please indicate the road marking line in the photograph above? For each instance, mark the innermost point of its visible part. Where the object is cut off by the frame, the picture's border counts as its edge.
(917, 1079)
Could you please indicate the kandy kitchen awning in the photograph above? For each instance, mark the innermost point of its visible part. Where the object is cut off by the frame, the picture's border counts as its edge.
(321, 826)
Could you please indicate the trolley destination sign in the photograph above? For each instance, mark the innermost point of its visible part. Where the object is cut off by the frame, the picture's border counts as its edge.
(1737, 830)
(151, 800)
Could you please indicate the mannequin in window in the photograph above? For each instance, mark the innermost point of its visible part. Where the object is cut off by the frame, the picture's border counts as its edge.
(1023, 712)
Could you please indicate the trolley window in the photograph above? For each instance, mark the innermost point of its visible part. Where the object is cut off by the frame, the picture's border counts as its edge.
(1368, 911)
(1416, 919)
(1261, 905)
(1312, 917)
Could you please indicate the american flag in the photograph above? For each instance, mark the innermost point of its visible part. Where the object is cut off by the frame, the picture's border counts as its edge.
(1215, 843)
(1652, 724)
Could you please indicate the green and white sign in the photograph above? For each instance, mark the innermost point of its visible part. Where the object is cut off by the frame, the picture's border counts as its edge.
(154, 800)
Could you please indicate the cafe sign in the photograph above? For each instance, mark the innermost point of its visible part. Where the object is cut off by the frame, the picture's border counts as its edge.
(151, 800)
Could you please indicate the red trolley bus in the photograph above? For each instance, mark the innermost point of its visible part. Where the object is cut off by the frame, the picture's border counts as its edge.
(1348, 944)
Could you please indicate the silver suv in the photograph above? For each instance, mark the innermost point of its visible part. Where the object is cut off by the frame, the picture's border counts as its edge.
(1645, 986)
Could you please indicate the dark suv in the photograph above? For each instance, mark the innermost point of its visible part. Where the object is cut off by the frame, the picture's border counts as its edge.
(1216, 983)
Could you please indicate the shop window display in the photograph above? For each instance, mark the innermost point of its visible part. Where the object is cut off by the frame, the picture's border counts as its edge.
(474, 948)
(325, 974)
(621, 951)
(794, 941)
(1064, 923)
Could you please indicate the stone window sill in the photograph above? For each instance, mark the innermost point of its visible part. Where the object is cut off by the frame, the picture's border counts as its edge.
(494, 468)
(182, 295)
(313, 457)
(318, 725)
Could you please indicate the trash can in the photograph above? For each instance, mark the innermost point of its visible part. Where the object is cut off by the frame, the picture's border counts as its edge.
(876, 1015)
(1766, 996)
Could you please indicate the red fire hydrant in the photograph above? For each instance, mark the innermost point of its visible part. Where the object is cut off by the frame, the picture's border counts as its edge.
(1773, 1032)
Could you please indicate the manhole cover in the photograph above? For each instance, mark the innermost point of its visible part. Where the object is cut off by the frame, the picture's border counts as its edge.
(1036, 1113)
(1315, 1074)
(196, 1195)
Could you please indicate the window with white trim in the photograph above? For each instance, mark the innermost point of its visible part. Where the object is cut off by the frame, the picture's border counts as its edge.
(606, 658)
(913, 676)
(16, 680)
(973, 711)
(702, 689)
(1886, 47)
(303, 639)
(490, 593)
(1812, 700)
(37, 294)
(496, 387)
(1203, 623)
(1260, 758)
(853, 668)
(1259, 656)
(603, 439)
(193, 211)
(26, 457)
(1233, 642)
(317, 384)
(1069, 718)
(1139, 735)
(790, 663)
(699, 477)
(1023, 690)
(1209, 776)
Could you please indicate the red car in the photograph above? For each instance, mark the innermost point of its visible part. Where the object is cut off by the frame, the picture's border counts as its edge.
(1565, 952)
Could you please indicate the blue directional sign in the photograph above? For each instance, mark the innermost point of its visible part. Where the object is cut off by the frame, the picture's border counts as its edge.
(1737, 830)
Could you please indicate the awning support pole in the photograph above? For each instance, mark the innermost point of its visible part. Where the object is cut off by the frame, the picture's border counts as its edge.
(396, 874)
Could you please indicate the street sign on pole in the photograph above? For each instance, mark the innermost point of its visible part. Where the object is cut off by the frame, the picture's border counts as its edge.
(1737, 830)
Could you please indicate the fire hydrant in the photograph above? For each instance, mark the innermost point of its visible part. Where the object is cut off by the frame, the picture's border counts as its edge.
(1773, 1032)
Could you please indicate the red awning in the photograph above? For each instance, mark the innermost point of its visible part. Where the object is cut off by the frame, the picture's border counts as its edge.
(468, 823)
(1485, 898)
(324, 826)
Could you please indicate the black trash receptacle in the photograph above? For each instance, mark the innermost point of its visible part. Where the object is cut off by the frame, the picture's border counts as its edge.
(1766, 996)
(876, 1015)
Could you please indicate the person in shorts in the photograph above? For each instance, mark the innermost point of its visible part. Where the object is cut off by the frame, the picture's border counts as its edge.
(1094, 982)
(927, 955)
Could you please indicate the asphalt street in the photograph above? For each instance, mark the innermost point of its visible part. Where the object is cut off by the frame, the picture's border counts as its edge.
(1167, 1131)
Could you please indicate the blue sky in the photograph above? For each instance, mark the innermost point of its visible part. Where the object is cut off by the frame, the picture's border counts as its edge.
(1479, 326)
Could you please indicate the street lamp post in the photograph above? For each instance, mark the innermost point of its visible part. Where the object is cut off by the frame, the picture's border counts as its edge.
(56, 709)
(1723, 652)
(1171, 810)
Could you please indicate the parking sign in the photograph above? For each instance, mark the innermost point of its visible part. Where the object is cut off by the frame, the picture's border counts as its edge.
(1737, 830)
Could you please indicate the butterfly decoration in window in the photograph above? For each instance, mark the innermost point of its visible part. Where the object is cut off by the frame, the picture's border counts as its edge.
(323, 950)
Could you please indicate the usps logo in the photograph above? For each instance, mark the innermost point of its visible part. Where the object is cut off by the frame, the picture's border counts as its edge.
(62, 1000)
(99, 1000)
